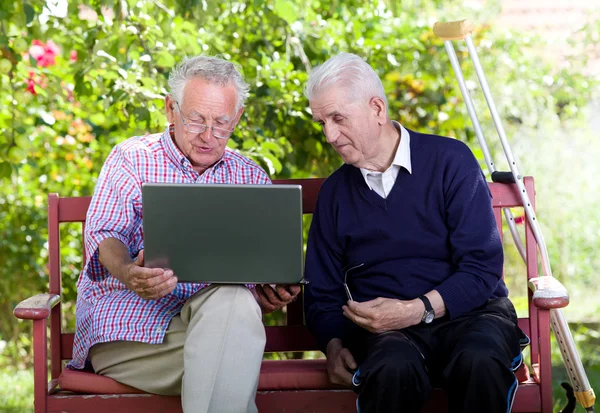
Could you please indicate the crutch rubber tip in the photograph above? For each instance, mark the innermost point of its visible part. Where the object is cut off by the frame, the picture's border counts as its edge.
(457, 30)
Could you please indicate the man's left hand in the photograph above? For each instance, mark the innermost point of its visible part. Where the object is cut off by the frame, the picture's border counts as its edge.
(271, 299)
(383, 314)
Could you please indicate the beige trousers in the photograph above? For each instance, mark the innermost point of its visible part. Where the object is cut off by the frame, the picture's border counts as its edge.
(211, 354)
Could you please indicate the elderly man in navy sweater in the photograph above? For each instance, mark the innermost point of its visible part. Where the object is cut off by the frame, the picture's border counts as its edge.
(404, 259)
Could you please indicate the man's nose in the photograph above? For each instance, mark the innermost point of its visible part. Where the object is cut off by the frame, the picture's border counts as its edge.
(331, 133)
(207, 135)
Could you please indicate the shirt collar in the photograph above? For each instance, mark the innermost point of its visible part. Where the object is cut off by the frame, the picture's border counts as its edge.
(175, 155)
(402, 156)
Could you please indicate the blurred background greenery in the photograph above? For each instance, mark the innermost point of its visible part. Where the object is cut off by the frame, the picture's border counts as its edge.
(78, 77)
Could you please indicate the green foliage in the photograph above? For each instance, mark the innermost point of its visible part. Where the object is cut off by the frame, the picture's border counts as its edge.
(59, 120)
(16, 393)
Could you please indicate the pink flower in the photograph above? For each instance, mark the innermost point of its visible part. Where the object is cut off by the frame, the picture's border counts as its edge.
(45, 54)
(519, 220)
(73, 57)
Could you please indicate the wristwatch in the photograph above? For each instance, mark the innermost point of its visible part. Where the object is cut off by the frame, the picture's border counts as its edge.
(429, 314)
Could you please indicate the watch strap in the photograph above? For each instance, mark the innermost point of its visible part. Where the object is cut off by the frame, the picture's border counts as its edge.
(427, 303)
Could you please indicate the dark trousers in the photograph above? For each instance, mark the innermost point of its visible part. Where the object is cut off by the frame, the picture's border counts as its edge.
(473, 357)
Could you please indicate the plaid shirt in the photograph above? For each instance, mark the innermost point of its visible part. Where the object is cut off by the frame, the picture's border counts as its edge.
(106, 310)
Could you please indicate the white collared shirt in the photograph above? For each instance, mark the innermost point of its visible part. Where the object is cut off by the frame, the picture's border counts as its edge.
(382, 182)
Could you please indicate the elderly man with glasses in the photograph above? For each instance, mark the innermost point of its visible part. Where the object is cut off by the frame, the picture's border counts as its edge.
(140, 326)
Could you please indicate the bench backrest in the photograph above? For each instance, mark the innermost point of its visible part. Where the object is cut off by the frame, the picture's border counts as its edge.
(293, 336)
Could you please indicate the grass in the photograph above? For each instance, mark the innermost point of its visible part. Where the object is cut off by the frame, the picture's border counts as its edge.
(16, 391)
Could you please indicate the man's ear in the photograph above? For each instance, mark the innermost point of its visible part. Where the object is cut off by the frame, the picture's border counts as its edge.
(238, 116)
(379, 109)
(170, 108)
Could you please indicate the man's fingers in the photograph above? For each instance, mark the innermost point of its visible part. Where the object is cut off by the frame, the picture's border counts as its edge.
(344, 377)
(157, 285)
(143, 278)
(372, 303)
(261, 293)
(348, 359)
(160, 290)
(143, 273)
(263, 298)
(361, 309)
(356, 318)
(159, 279)
(272, 296)
(283, 294)
(295, 290)
(140, 259)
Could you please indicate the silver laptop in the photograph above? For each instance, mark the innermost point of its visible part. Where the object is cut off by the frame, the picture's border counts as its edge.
(220, 233)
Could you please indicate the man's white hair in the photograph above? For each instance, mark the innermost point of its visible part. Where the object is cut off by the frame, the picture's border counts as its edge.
(211, 69)
(346, 70)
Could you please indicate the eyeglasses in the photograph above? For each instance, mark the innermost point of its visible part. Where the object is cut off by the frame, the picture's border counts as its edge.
(346, 270)
(198, 128)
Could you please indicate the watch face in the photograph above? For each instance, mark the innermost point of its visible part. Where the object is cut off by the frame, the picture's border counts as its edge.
(429, 317)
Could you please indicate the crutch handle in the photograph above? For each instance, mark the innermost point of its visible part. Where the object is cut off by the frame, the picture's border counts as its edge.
(453, 30)
(503, 177)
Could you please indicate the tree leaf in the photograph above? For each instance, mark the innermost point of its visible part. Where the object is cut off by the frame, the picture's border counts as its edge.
(165, 59)
(5, 170)
(286, 10)
(29, 13)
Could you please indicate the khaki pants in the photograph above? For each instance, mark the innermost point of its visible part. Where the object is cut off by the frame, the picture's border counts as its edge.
(211, 354)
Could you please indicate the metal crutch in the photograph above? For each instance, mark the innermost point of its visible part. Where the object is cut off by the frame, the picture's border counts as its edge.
(459, 30)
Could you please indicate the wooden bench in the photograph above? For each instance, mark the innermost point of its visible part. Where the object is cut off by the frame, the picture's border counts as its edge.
(285, 385)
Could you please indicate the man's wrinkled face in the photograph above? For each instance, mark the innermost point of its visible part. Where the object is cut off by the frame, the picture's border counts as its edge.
(208, 104)
(349, 126)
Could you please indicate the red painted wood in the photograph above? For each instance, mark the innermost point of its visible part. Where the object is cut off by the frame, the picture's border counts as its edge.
(295, 312)
(55, 283)
(507, 195)
(316, 401)
(524, 325)
(532, 272)
(498, 216)
(289, 338)
(37, 307)
(310, 190)
(281, 338)
(545, 360)
(40, 365)
(130, 403)
(73, 209)
(66, 346)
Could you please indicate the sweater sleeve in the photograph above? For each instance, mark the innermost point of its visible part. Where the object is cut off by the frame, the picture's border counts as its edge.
(324, 294)
(475, 243)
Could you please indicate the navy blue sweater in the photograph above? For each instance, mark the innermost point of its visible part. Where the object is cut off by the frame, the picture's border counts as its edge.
(436, 230)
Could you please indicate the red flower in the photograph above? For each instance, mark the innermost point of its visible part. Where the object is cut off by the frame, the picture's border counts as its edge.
(31, 84)
(520, 220)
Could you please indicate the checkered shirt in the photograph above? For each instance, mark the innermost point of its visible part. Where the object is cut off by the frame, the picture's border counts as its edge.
(106, 310)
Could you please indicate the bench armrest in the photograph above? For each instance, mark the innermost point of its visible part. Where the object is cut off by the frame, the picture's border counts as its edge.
(37, 307)
(548, 292)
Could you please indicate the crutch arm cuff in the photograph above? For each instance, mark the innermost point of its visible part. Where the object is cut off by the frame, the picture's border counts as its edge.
(548, 292)
(456, 30)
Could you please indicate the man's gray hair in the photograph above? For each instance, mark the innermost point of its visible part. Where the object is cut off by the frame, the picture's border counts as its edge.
(347, 70)
(211, 69)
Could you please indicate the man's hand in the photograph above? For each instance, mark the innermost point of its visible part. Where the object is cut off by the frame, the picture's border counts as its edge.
(148, 283)
(271, 299)
(340, 363)
(384, 314)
